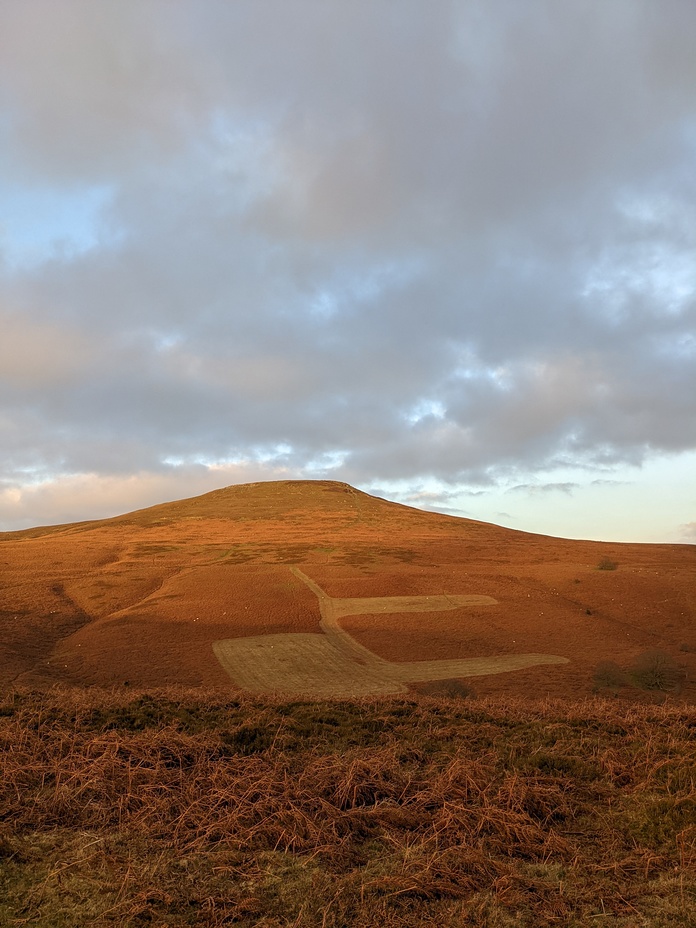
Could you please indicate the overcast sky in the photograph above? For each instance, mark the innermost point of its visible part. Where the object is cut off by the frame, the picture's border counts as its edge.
(445, 251)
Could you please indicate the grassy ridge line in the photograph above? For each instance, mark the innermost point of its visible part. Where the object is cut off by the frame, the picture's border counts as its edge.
(178, 808)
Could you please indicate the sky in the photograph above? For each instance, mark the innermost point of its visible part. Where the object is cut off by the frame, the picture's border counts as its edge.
(443, 250)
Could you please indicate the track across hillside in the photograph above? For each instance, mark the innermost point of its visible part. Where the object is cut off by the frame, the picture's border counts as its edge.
(335, 664)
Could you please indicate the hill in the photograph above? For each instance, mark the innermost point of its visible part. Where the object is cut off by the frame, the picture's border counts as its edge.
(315, 587)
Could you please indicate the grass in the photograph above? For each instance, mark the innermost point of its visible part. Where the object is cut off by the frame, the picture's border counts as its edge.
(180, 808)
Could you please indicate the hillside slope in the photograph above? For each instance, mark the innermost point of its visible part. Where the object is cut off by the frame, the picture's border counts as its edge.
(144, 597)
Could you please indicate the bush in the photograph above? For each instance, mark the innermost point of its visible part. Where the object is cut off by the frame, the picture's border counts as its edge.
(608, 675)
(606, 563)
(656, 670)
(447, 689)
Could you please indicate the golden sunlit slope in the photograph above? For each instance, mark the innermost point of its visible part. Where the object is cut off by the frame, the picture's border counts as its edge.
(194, 591)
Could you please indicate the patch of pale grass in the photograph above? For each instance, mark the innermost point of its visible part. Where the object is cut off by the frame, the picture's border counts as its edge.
(377, 605)
(296, 664)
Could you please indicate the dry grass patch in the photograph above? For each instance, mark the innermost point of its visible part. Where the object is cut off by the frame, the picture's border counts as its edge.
(378, 605)
(299, 664)
(312, 665)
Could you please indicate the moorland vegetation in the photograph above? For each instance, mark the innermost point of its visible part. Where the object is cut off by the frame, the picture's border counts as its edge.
(189, 808)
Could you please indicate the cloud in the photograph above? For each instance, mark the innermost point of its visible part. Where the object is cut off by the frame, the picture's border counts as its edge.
(688, 532)
(35, 356)
(89, 91)
(435, 500)
(378, 243)
(533, 489)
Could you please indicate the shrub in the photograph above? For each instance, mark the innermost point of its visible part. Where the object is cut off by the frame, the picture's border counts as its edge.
(606, 563)
(608, 675)
(448, 689)
(656, 670)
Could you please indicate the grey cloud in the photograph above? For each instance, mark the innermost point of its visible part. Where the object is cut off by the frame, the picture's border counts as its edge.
(92, 90)
(533, 488)
(448, 241)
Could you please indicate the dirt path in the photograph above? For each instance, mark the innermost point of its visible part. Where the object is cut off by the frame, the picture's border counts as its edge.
(335, 664)
(338, 637)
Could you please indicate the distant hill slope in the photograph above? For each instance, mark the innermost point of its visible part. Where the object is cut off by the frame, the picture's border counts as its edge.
(142, 598)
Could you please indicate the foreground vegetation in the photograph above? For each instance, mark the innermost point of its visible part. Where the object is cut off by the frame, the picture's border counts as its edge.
(175, 808)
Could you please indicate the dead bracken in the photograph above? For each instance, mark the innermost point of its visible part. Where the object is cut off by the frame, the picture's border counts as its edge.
(192, 808)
